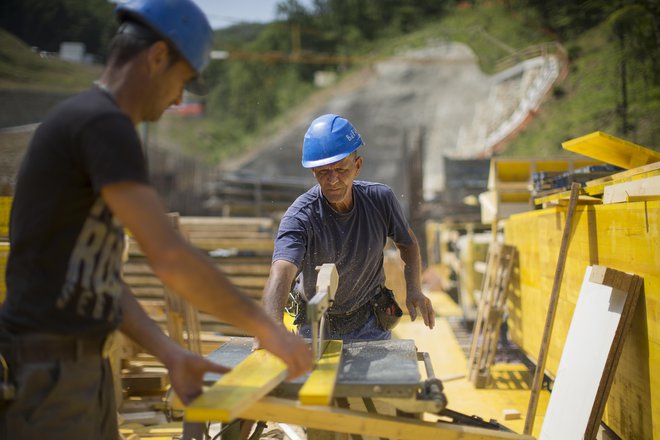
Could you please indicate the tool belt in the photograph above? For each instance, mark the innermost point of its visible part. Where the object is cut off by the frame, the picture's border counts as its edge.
(342, 323)
(38, 347)
(381, 303)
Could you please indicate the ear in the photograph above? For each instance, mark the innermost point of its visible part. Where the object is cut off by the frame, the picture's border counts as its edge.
(158, 56)
(358, 165)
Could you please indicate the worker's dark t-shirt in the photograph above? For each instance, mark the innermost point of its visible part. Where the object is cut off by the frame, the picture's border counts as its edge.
(311, 233)
(63, 272)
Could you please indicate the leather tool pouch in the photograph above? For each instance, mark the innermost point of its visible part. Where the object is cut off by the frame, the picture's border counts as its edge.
(383, 302)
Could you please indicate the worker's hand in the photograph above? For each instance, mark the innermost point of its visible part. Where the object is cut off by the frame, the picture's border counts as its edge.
(187, 373)
(289, 347)
(417, 300)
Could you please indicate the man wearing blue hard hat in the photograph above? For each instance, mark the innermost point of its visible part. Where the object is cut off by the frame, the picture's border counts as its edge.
(84, 179)
(346, 222)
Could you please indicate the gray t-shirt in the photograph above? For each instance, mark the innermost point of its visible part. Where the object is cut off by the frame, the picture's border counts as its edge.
(311, 233)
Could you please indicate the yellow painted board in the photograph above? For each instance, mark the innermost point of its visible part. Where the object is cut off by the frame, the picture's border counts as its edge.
(643, 170)
(624, 236)
(610, 149)
(4, 254)
(598, 189)
(319, 387)
(251, 379)
(367, 424)
(5, 208)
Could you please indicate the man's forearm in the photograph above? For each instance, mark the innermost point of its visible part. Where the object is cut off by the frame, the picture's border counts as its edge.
(138, 326)
(277, 288)
(412, 270)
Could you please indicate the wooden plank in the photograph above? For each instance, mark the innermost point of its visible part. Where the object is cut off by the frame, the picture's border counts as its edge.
(621, 192)
(552, 309)
(5, 209)
(320, 386)
(593, 345)
(610, 149)
(364, 423)
(251, 379)
(655, 166)
(599, 189)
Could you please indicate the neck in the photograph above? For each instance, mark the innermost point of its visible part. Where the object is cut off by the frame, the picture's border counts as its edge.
(123, 84)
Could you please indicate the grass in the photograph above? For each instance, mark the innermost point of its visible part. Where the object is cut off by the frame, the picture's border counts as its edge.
(587, 100)
(21, 68)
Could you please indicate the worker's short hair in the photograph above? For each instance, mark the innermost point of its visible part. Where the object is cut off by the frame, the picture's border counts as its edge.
(130, 40)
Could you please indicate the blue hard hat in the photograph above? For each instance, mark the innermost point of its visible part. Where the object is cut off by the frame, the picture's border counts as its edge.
(181, 22)
(329, 139)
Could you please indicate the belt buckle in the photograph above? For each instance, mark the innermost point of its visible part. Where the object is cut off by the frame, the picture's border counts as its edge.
(108, 345)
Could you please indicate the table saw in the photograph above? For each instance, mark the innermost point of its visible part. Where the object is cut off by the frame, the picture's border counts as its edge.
(388, 371)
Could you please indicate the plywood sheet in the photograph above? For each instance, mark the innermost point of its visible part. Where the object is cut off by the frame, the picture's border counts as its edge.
(613, 150)
(591, 351)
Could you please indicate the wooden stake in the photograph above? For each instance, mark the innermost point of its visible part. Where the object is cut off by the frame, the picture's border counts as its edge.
(552, 309)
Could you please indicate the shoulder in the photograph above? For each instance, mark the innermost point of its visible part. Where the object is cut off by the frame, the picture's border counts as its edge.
(303, 208)
(87, 107)
(372, 189)
(305, 202)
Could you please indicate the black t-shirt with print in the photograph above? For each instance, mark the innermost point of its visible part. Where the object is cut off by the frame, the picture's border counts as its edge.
(63, 271)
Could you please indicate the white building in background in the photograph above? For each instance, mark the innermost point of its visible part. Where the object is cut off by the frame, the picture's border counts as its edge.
(73, 51)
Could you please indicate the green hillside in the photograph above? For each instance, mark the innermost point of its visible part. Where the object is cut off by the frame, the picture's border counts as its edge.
(21, 68)
(590, 99)
(613, 82)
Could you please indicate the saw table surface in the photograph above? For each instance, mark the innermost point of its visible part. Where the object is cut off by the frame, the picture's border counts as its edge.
(367, 369)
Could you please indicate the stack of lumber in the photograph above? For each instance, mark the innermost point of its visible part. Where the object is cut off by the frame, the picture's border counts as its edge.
(250, 195)
(241, 247)
(512, 183)
(639, 180)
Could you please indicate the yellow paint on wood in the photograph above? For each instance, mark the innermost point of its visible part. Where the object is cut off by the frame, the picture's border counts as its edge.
(364, 423)
(624, 236)
(610, 149)
(5, 208)
(4, 254)
(250, 380)
(320, 386)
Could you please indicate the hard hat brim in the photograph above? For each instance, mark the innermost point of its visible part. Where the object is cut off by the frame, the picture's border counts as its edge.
(328, 160)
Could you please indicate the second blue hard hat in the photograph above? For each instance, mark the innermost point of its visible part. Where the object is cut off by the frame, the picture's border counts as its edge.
(181, 22)
(329, 139)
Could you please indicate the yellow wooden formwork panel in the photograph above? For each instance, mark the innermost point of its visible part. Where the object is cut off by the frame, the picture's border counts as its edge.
(623, 236)
(610, 149)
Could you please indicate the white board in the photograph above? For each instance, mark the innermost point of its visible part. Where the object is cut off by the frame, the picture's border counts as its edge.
(591, 339)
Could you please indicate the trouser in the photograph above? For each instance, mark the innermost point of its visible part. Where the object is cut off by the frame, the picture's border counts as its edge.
(60, 393)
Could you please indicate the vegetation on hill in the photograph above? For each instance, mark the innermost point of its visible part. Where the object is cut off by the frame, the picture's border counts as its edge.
(613, 84)
(23, 68)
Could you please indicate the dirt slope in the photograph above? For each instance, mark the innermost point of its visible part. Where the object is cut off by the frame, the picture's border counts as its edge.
(438, 91)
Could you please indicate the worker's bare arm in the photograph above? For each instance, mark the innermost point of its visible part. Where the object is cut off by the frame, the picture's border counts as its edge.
(277, 288)
(413, 274)
(185, 368)
(193, 275)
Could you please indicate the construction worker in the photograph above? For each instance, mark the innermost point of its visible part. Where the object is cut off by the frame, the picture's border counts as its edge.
(346, 222)
(82, 178)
